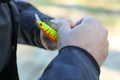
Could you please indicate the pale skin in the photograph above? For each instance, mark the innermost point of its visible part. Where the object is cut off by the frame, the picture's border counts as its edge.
(87, 33)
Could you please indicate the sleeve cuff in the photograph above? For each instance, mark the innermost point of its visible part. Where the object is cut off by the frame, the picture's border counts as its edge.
(83, 52)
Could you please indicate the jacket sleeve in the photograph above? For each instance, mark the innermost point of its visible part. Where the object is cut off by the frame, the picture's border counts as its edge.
(28, 33)
(72, 63)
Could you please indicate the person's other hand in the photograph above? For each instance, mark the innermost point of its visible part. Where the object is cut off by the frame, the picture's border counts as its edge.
(46, 42)
(87, 33)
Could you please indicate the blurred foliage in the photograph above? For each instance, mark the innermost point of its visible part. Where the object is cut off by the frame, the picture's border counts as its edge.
(108, 11)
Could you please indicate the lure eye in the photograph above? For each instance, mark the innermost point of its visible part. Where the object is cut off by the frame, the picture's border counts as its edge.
(40, 24)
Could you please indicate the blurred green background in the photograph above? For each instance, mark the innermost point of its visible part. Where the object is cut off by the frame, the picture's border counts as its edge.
(108, 11)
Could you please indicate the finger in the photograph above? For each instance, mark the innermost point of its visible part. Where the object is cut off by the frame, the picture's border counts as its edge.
(88, 23)
(71, 23)
(47, 43)
(62, 22)
(90, 20)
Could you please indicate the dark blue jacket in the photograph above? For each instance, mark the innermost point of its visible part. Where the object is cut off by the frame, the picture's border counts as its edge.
(72, 63)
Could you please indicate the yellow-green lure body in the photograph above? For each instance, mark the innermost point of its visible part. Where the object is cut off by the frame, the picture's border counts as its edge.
(49, 32)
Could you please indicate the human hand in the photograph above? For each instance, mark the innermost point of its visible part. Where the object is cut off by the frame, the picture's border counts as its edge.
(88, 34)
(47, 42)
